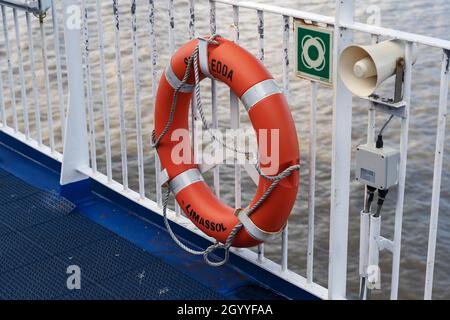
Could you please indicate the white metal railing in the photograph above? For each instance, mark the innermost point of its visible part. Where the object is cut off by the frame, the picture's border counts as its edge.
(437, 177)
(13, 19)
(79, 135)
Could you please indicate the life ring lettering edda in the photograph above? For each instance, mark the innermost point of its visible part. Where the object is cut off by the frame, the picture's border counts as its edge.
(217, 67)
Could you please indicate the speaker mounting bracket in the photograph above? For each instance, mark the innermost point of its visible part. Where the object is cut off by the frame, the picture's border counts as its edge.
(399, 77)
(395, 106)
(387, 106)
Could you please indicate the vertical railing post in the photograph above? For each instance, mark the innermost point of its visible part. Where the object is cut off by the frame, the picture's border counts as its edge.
(402, 171)
(23, 90)
(11, 81)
(285, 48)
(312, 181)
(170, 12)
(89, 93)
(364, 226)
(62, 112)
(137, 99)
(191, 32)
(2, 104)
(438, 160)
(37, 105)
(260, 15)
(341, 156)
(48, 96)
(154, 54)
(171, 27)
(104, 89)
(119, 81)
(234, 114)
(215, 119)
(76, 153)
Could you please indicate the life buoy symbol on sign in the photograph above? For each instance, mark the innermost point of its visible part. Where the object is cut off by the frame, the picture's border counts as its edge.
(318, 63)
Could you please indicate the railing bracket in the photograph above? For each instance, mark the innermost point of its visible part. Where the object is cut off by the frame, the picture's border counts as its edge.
(387, 106)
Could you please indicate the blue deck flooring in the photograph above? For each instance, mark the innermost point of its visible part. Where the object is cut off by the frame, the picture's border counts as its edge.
(41, 234)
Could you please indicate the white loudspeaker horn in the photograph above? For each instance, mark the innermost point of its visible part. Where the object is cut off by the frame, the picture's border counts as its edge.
(364, 68)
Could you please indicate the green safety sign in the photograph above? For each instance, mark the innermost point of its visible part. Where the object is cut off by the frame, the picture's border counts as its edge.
(314, 49)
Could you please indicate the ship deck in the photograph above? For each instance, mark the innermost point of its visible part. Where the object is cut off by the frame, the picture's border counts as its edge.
(42, 234)
(121, 254)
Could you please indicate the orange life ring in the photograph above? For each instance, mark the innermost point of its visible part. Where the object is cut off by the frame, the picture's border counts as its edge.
(267, 109)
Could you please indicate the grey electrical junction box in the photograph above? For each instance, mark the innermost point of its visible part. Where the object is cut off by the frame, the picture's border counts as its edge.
(377, 168)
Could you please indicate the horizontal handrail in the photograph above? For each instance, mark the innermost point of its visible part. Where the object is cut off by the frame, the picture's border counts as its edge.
(33, 6)
(356, 26)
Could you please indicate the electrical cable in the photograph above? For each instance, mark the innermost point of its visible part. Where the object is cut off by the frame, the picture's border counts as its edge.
(379, 143)
(367, 206)
(370, 196)
(365, 293)
(385, 125)
(362, 288)
(381, 197)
